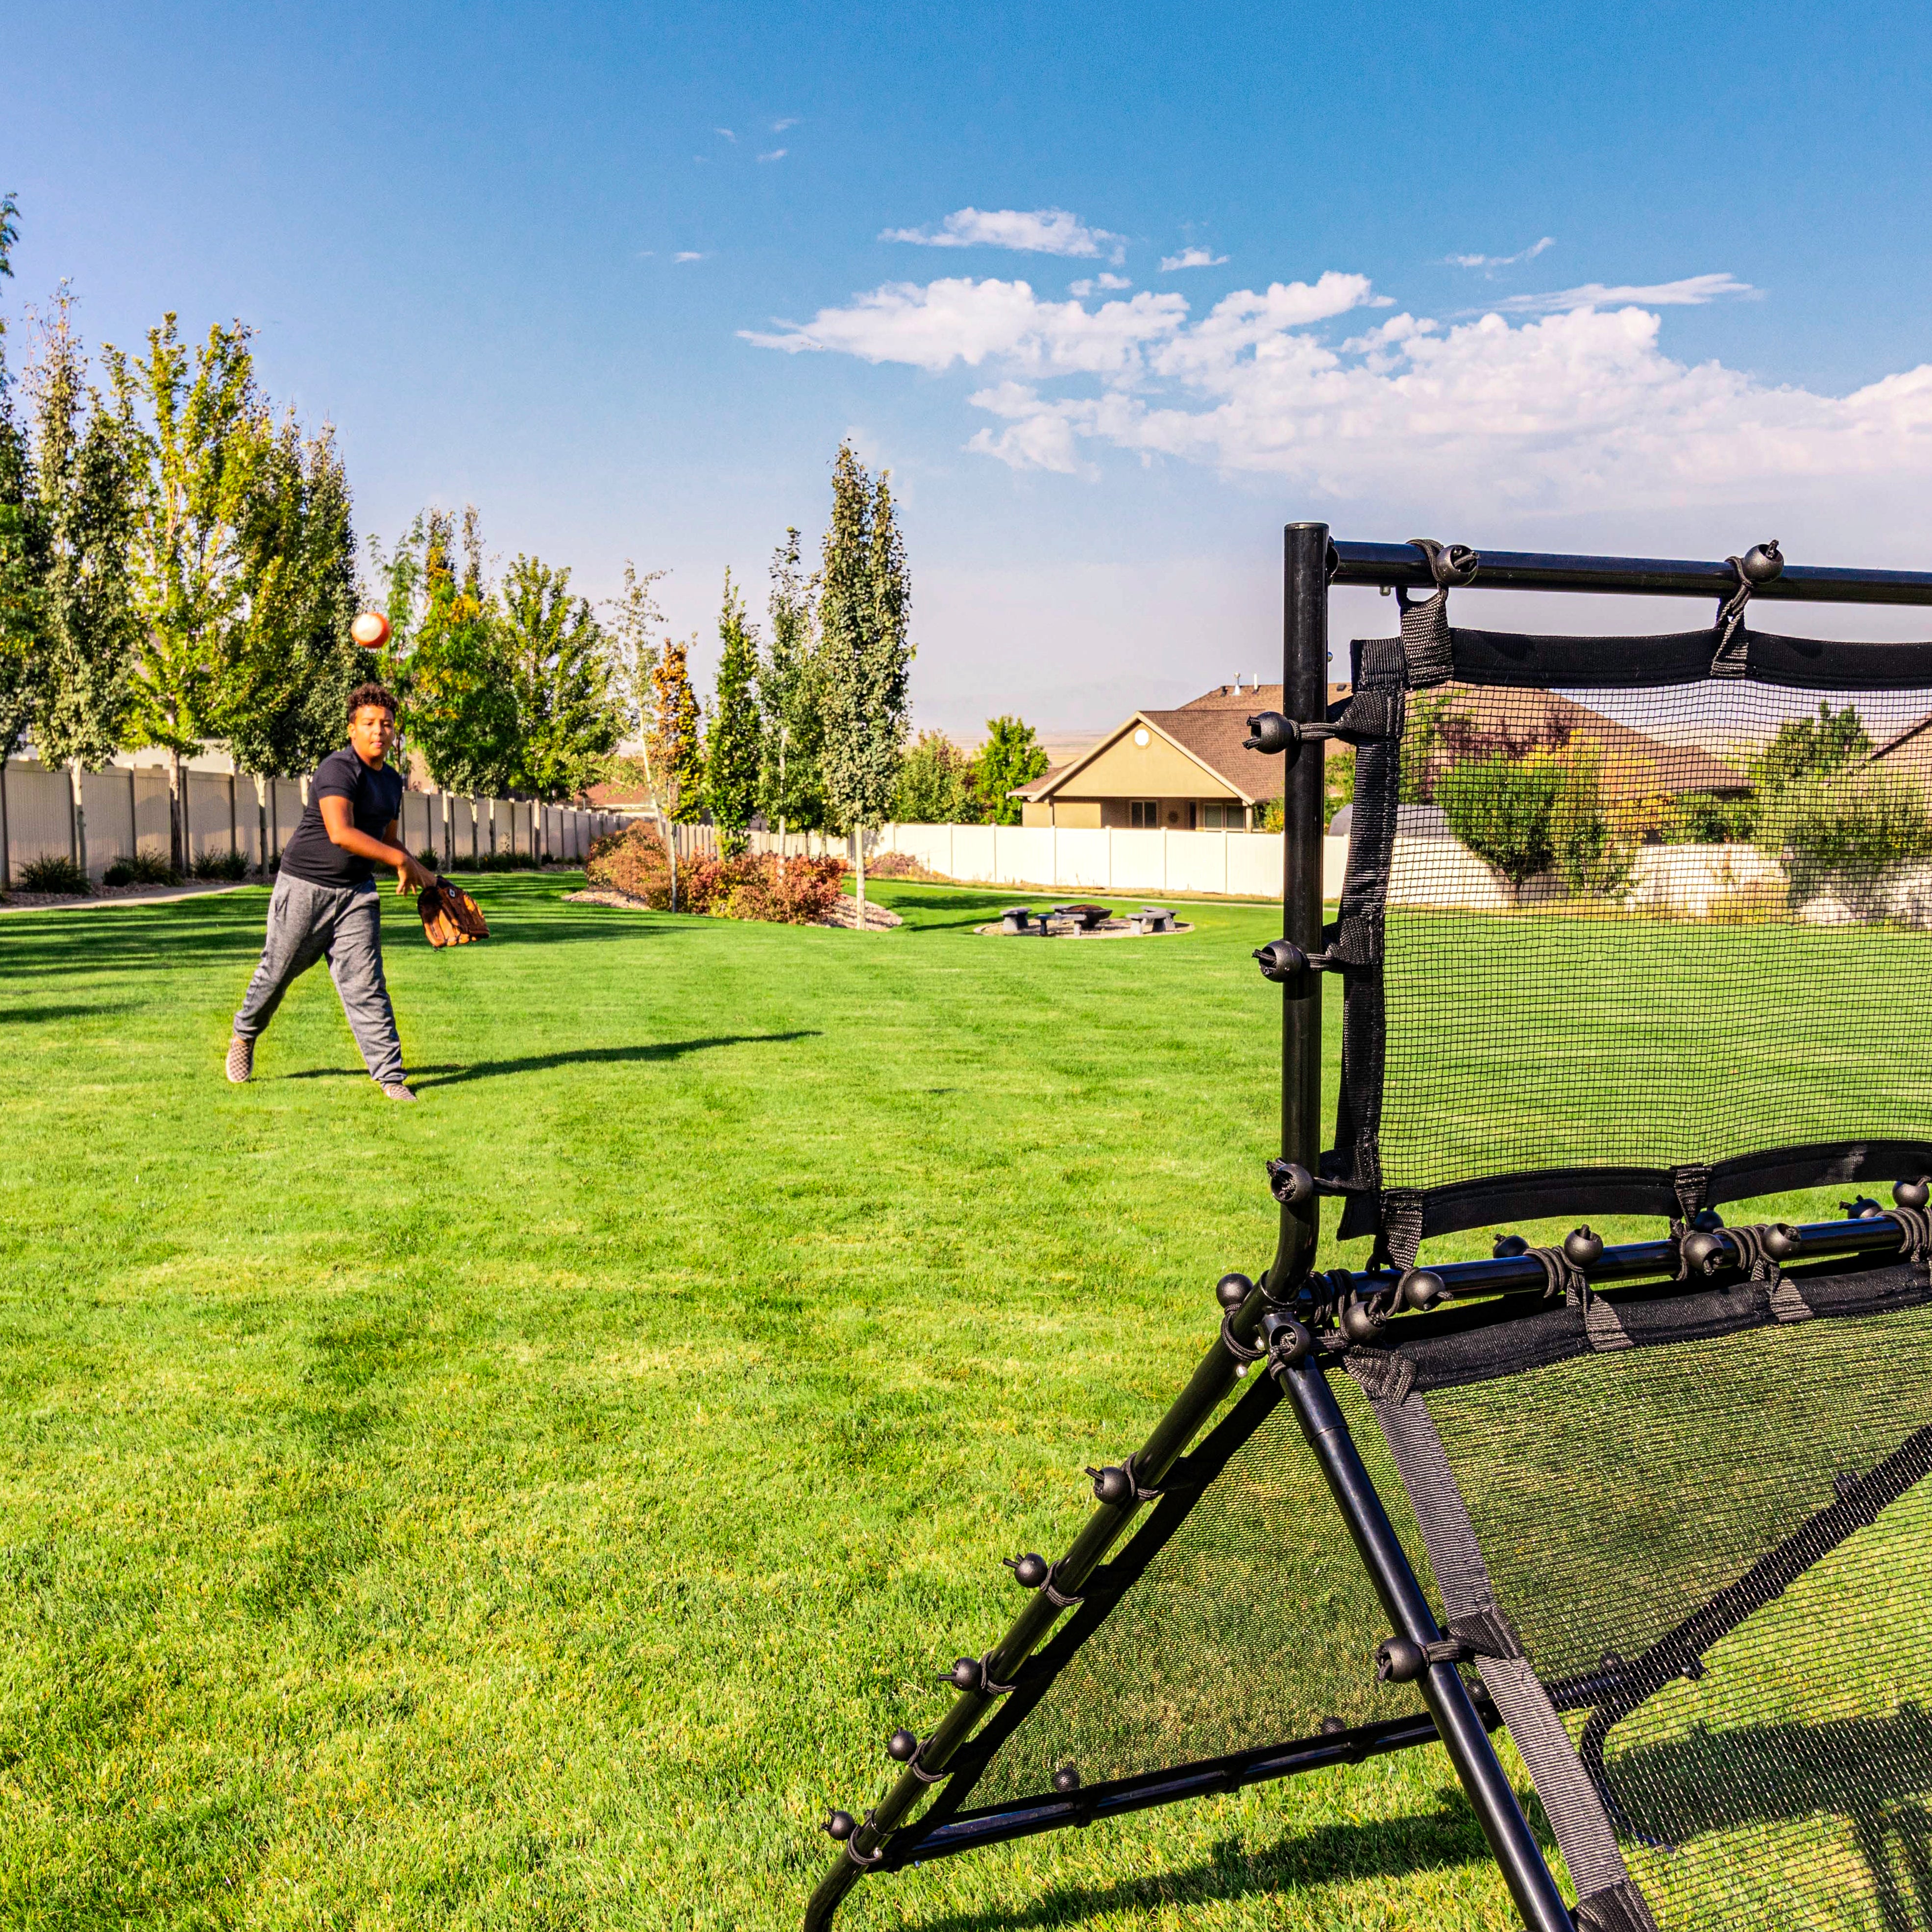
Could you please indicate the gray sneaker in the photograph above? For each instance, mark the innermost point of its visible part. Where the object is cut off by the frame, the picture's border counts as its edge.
(241, 1059)
(394, 1090)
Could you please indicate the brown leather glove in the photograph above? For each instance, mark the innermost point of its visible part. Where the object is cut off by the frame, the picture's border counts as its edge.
(450, 916)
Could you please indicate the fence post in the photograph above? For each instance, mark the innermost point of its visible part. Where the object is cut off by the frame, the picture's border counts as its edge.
(6, 836)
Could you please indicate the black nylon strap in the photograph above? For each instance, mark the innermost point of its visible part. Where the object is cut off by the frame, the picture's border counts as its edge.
(1425, 626)
(1617, 1908)
(1380, 671)
(1570, 1796)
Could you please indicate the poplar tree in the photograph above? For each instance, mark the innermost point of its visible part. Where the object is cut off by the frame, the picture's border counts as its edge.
(196, 438)
(674, 736)
(865, 601)
(87, 625)
(460, 699)
(731, 745)
(23, 540)
(791, 788)
(291, 663)
(558, 666)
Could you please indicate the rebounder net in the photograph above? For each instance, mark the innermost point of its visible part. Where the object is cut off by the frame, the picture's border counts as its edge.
(1699, 1561)
(1629, 924)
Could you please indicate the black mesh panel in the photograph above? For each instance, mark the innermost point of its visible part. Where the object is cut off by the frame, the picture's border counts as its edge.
(1643, 928)
(1715, 1554)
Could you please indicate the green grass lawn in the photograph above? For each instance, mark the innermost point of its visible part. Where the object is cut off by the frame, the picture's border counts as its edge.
(532, 1508)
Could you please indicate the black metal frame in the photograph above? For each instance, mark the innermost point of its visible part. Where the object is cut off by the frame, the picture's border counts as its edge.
(888, 1837)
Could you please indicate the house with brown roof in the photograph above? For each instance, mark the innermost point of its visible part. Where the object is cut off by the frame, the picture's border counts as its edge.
(1185, 770)
(1910, 751)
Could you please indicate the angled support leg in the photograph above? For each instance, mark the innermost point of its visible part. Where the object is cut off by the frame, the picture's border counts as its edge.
(1512, 1842)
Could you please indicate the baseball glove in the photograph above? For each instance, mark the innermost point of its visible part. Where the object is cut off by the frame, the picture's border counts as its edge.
(450, 916)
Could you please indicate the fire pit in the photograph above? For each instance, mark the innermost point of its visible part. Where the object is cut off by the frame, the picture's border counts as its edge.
(1084, 920)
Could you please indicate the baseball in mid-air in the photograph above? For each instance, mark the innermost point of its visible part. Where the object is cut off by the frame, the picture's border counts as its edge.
(370, 630)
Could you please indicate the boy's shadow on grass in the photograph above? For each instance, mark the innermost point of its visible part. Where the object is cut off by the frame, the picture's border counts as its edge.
(453, 1074)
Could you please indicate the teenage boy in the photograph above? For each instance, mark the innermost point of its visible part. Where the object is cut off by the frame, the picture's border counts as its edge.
(325, 905)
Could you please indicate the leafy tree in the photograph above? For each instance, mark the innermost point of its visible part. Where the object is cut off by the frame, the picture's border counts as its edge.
(630, 636)
(1806, 747)
(865, 599)
(1830, 822)
(935, 785)
(558, 662)
(791, 788)
(87, 630)
(1011, 756)
(636, 661)
(459, 698)
(673, 739)
(196, 440)
(732, 744)
(24, 542)
(291, 663)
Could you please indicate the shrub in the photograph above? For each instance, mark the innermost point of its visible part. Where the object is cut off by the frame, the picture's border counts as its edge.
(54, 874)
(221, 865)
(1543, 811)
(1839, 821)
(430, 858)
(144, 868)
(793, 892)
(1500, 807)
(1707, 818)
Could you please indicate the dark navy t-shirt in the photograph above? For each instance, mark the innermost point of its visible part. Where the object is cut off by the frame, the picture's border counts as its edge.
(375, 796)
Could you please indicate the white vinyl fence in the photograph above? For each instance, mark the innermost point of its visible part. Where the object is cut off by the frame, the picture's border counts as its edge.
(1695, 882)
(123, 810)
(1242, 865)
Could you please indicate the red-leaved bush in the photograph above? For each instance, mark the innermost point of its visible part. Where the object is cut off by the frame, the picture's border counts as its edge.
(791, 892)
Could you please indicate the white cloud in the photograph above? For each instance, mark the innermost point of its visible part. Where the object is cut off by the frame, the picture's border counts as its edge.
(726, 133)
(1190, 258)
(776, 154)
(688, 255)
(1693, 292)
(1039, 231)
(1103, 281)
(1528, 254)
(1578, 409)
(790, 121)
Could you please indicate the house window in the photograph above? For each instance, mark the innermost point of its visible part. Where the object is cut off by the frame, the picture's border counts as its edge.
(1224, 817)
(1144, 815)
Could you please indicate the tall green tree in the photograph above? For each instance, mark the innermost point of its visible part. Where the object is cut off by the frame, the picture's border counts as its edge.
(864, 603)
(461, 705)
(558, 660)
(935, 785)
(675, 750)
(24, 539)
(732, 744)
(791, 792)
(197, 433)
(291, 663)
(87, 621)
(1011, 756)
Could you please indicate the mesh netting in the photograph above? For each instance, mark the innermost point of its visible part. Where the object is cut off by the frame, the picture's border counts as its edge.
(1779, 1773)
(1640, 928)
(1254, 1623)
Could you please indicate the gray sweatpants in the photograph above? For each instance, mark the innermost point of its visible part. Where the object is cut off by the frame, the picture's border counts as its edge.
(343, 925)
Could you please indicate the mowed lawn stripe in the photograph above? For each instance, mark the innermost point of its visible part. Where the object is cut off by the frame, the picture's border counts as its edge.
(532, 1507)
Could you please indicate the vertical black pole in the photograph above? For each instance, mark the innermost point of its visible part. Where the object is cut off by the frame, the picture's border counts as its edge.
(1304, 676)
(1514, 1844)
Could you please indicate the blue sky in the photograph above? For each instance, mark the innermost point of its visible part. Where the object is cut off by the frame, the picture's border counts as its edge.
(618, 276)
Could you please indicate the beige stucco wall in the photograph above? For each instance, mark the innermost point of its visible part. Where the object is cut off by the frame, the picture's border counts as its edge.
(1081, 813)
(1152, 770)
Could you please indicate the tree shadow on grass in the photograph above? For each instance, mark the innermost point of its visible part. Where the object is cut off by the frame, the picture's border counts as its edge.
(454, 1073)
(1235, 1869)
